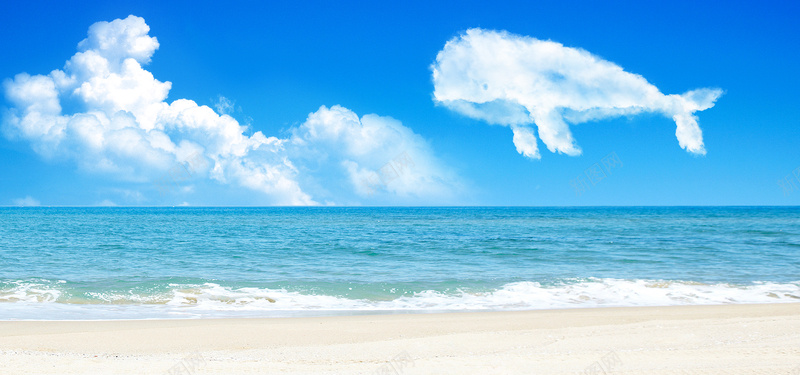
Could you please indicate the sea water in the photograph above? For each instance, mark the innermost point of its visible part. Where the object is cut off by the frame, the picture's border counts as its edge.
(145, 263)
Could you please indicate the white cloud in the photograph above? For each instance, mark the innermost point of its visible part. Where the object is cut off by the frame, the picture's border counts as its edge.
(107, 203)
(377, 155)
(519, 81)
(224, 105)
(107, 113)
(28, 201)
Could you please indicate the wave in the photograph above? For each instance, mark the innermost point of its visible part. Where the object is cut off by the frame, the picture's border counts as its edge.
(44, 299)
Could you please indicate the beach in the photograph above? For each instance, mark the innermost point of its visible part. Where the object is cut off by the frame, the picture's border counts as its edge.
(433, 290)
(720, 339)
(404, 188)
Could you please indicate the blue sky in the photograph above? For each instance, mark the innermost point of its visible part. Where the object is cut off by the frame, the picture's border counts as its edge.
(370, 65)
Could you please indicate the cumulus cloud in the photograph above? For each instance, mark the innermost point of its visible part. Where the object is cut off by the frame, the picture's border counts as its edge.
(379, 156)
(28, 201)
(519, 81)
(107, 113)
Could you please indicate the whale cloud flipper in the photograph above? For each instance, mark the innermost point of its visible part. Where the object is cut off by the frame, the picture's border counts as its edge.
(516, 81)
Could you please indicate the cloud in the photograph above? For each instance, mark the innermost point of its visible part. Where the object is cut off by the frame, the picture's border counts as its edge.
(518, 81)
(108, 114)
(379, 157)
(28, 201)
(106, 203)
(224, 105)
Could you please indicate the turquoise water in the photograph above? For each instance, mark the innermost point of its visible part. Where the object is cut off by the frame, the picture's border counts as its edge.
(139, 263)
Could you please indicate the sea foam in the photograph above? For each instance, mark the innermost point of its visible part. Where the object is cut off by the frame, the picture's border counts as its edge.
(214, 300)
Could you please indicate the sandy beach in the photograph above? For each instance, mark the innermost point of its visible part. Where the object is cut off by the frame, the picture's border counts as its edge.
(740, 339)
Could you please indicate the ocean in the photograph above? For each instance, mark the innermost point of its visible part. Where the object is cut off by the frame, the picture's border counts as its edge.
(155, 263)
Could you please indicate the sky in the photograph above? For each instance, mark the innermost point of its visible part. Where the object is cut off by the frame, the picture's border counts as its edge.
(572, 103)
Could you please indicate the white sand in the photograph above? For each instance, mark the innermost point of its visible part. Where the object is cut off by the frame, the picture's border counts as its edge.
(731, 339)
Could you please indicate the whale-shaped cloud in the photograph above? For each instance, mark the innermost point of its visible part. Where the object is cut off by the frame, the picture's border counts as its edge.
(518, 81)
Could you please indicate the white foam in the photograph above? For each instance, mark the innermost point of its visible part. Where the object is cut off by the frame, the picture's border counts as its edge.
(30, 291)
(214, 300)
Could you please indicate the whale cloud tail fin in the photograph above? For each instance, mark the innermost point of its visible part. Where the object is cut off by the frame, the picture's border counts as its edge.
(690, 137)
(701, 99)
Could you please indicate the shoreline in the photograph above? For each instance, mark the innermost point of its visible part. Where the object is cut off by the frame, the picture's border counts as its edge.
(708, 339)
(378, 313)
